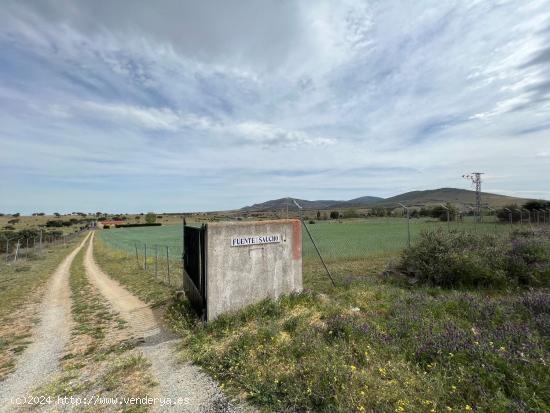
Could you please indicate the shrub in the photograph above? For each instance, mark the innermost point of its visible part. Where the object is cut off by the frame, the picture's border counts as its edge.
(54, 223)
(150, 218)
(451, 259)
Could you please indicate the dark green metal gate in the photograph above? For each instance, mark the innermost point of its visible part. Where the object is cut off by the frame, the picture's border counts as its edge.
(194, 263)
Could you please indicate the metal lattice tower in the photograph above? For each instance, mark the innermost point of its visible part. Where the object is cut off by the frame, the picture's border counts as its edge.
(475, 177)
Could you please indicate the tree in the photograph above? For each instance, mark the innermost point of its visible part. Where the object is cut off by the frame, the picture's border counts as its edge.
(441, 213)
(334, 215)
(318, 214)
(351, 213)
(16, 215)
(534, 205)
(151, 218)
(378, 212)
(57, 214)
(503, 214)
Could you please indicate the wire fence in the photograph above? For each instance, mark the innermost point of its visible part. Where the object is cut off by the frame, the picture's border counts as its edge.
(338, 248)
(347, 249)
(22, 247)
(163, 262)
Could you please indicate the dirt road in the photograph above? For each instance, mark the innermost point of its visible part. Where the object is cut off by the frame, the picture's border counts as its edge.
(185, 383)
(41, 359)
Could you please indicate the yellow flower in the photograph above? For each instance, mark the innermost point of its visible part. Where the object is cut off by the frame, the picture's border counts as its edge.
(453, 387)
(468, 408)
(353, 368)
(449, 409)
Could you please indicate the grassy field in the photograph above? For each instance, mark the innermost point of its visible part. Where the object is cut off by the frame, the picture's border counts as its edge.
(336, 240)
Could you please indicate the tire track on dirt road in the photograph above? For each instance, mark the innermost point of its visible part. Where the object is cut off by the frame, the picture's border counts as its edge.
(41, 358)
(199, 392)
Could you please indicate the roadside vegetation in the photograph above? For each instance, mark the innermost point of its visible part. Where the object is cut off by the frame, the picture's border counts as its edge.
(455, 259)
(101, 357)
(21, 290)
(391, 342)
(471, 335)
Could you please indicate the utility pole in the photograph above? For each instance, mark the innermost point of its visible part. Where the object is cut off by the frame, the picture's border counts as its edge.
(475, 178)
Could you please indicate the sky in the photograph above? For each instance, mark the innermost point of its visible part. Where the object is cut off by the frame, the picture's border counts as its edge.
(170, 106)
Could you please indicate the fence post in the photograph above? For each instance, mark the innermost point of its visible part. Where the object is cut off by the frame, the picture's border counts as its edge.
(16, 252)
(145, 256)
(156, 260)
(137, 256)
(168, 264)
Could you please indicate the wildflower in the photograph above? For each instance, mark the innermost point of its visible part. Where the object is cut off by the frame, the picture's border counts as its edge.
(353, 368)
(468, 408)
(449, 408)
(453, 387)
(361, 408)
(502, 349)
(362, 393)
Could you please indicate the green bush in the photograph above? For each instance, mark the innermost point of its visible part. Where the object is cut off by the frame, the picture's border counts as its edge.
(453, 259)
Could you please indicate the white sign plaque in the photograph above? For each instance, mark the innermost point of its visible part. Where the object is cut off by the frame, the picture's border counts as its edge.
(255, 240)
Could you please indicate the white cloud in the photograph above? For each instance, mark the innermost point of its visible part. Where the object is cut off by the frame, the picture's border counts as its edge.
(303, 97)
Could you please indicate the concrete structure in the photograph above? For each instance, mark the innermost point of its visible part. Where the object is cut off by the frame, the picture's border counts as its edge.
(246, 262)
(109, 223)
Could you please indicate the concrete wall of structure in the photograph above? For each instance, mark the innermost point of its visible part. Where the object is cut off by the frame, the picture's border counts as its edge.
(244, 265)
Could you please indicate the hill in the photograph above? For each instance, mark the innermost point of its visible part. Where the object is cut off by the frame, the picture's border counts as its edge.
(282, 203)
(459, 197)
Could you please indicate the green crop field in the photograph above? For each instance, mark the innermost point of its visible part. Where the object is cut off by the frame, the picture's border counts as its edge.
(127, 239)
(348, 239)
